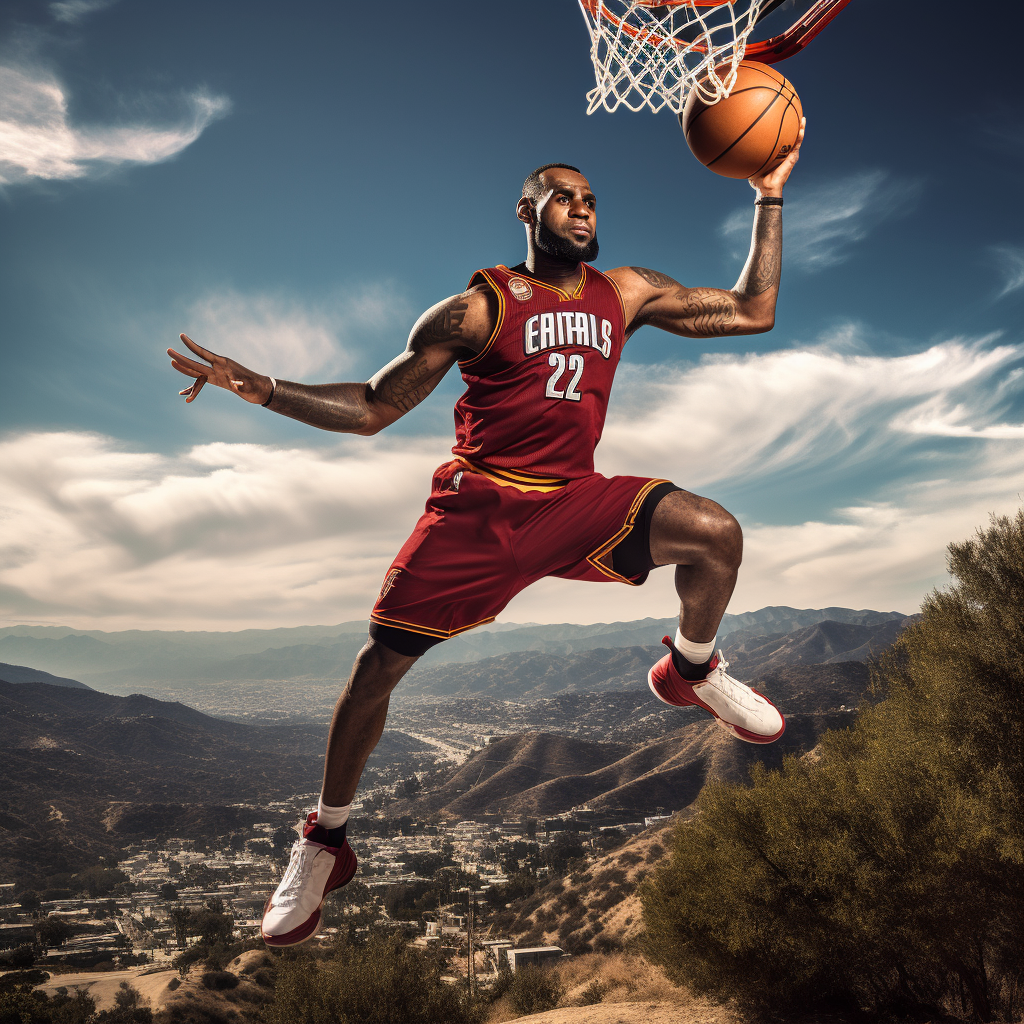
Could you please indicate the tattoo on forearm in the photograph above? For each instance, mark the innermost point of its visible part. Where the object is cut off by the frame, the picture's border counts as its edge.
(340, 407)
(710, 312)
(653, 277)
(764, 266)
(409, 387)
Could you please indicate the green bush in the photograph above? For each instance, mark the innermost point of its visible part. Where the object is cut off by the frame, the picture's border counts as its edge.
(534, 990)
(380, 983)
(886, 875)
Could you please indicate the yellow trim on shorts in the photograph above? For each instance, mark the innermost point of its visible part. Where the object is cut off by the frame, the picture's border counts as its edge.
(594, 557)
(519, 479)
(442, 634)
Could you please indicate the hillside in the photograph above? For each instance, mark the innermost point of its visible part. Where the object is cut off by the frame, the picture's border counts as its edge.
(99, 769)
(24, 674)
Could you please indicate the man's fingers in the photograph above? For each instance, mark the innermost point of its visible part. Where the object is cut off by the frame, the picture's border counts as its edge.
(192, 392)
(186, 365)
(198, 349)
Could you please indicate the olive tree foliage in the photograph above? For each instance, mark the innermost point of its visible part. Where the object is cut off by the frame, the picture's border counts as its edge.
(884, 872)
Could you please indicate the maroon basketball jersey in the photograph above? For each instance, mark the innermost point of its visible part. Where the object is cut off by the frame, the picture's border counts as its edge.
(537, 394)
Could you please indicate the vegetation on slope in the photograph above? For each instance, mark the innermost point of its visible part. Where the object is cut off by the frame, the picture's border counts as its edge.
(884, 874)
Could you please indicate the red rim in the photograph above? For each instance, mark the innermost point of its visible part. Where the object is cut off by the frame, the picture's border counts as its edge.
(650, 36)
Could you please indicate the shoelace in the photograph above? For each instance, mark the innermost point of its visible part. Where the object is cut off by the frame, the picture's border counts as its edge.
(732, 688)
(299, 867)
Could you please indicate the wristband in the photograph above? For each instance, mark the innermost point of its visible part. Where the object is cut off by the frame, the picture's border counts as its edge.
(768, 201)
(273, 388)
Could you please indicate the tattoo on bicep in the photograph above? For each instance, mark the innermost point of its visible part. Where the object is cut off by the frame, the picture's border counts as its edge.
(409, 386)
(653, 277)
(710, 312)
(445, 324)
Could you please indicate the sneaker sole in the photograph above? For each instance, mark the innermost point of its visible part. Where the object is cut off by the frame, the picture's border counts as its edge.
(308, 929)
(733, 730)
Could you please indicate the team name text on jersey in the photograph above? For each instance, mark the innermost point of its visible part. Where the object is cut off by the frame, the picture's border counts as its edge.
(553, 330)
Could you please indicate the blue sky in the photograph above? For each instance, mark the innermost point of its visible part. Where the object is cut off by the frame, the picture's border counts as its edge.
(292, 184)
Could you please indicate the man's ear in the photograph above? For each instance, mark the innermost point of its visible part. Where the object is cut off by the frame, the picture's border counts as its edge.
(526, 211)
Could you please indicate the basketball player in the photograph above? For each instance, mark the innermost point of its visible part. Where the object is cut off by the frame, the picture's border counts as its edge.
(537, 346)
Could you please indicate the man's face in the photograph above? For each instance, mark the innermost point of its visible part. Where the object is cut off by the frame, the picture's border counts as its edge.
(565, 217)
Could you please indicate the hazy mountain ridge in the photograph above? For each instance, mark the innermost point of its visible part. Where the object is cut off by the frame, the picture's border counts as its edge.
(24, 674)
(122, 661)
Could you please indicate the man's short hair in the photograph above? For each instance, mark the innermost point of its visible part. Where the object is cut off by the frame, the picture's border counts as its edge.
(533, 188)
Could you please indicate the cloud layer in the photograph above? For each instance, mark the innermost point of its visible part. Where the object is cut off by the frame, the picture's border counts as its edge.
(39, 142)
(824, 222)
(232, 535)
(292, 336)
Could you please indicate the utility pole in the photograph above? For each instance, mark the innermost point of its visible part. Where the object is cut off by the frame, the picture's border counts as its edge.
(471, 973)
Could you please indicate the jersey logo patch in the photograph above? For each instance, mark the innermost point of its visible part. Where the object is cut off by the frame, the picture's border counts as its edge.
(520, 289)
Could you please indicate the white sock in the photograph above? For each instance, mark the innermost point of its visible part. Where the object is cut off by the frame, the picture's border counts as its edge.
(331, 817)
(695, 654)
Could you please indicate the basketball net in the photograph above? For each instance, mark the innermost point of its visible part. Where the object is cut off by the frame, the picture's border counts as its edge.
(652, 54)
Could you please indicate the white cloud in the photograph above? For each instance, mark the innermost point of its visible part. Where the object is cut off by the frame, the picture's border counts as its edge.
(293, 336)
(824, 222)
(71, 10)
(1010, 263)
(38, 141)
(231, 535)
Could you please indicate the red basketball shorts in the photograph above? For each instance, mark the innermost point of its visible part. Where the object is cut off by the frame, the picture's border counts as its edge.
(482, 539)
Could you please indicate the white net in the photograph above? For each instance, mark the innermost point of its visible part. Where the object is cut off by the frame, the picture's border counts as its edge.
(649, 54)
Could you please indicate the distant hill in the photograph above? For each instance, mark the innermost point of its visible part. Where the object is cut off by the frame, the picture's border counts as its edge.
(84, 772)
(122, 662)
(540, 774)
(24, 674)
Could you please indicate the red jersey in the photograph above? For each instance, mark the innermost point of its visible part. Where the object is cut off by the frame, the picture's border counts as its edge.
(537, 393)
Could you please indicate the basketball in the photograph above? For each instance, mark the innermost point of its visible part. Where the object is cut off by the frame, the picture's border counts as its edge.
(751, 130)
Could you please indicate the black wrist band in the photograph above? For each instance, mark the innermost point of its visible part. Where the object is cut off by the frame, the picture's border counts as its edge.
(273, 388)
(768, 201)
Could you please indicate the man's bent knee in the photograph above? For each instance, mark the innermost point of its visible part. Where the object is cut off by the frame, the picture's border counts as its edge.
(377, 671)
(687, 528)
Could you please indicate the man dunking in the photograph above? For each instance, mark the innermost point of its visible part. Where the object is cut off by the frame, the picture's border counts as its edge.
(537, 346)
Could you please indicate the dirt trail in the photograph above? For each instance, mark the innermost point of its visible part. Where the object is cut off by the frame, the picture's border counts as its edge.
(103, 986)
(633, 1013)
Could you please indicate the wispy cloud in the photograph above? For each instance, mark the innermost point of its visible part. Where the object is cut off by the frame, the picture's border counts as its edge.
(295, 337)
(823, 223)
(1009, 260)
(242, 534)
(39, 142)
(73, 10)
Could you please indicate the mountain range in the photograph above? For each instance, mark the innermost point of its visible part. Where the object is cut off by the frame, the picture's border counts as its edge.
(207, 663)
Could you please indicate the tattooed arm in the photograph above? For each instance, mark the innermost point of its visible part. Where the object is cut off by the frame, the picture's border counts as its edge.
(747, 308)
(453, 329)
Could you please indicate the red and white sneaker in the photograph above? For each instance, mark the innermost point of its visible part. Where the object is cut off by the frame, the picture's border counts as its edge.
(737, 708)
(292, 914)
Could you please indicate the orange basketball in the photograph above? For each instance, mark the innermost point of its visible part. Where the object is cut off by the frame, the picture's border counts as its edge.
(751, 130)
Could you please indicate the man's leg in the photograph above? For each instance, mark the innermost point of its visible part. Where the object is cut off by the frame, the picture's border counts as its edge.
(359, 718)
(705, 543)
(322, 860)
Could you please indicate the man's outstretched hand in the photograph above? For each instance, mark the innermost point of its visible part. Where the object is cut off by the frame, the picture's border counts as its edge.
(770, 184)
(223, 372)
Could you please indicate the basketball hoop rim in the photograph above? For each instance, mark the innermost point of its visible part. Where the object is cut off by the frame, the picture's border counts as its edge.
(651, 37)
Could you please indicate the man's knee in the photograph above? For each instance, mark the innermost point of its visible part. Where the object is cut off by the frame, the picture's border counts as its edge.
(377, 671)
(687, 528)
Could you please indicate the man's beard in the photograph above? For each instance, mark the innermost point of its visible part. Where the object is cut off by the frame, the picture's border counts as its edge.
(563, 248)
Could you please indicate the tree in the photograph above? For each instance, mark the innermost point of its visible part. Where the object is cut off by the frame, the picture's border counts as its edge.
(180, 917)
(529, 826)
(887, 873)
(53, 931)
(168, 891)
(534, 989)
(130, 1007)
